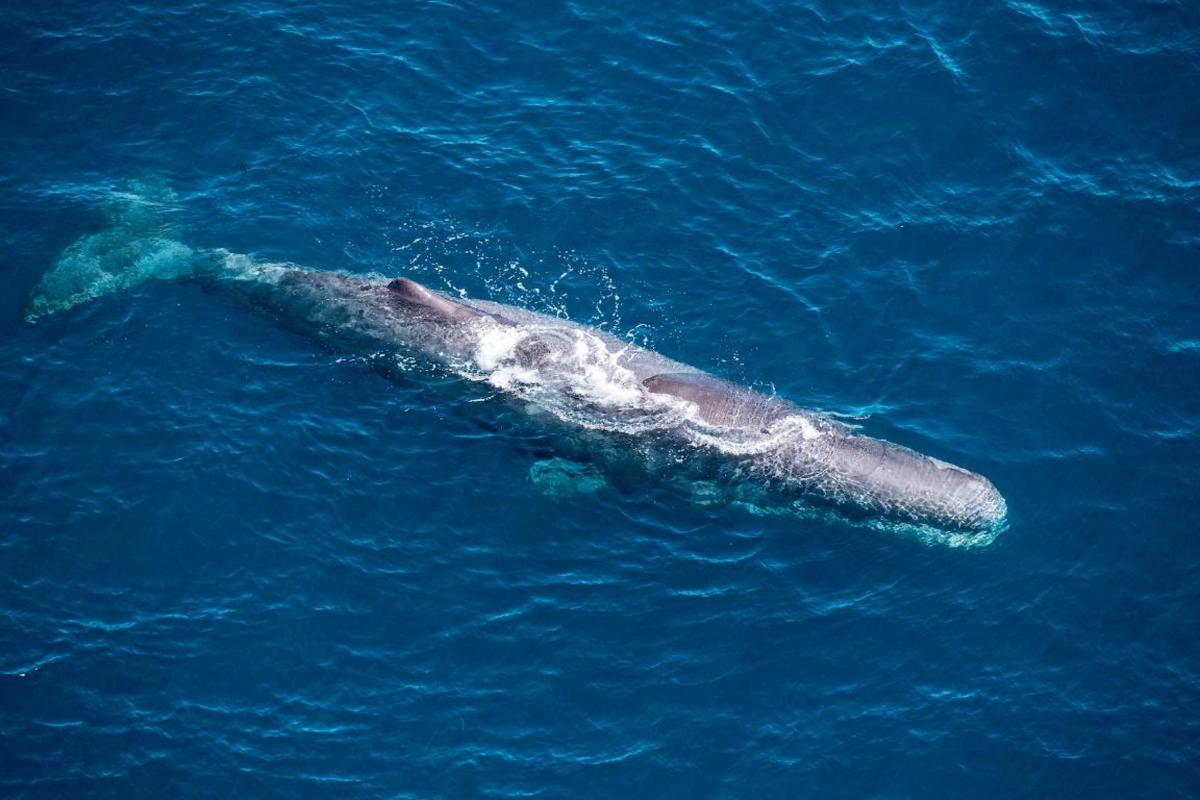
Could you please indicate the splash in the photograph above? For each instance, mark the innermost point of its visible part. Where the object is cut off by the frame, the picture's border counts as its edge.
(571, 373)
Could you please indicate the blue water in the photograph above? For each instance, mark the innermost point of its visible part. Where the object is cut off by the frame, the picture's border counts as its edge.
(236, 563)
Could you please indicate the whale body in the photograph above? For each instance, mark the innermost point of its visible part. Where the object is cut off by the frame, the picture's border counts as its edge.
(585, 377)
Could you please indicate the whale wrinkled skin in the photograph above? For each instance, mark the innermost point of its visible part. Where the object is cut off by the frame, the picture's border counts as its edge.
(584, 377)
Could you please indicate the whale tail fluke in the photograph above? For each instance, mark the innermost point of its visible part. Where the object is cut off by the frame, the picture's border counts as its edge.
(137, 243)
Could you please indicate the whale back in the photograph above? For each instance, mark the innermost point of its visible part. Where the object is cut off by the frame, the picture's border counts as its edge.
(720, 402)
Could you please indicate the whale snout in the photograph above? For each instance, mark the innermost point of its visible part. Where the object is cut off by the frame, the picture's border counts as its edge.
(987, 507)
(905, 484)
(953, 496)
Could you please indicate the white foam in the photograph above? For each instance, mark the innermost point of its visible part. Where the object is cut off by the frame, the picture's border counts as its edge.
(243, 267)
(577, 376)
(512, 378)
(496, 344)
(807, 430)
(602, 378)
(583, 379)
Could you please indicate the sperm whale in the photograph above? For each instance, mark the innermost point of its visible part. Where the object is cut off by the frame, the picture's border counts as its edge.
(586, 377)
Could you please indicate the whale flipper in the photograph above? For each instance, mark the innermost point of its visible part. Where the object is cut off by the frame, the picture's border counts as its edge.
(558, 477)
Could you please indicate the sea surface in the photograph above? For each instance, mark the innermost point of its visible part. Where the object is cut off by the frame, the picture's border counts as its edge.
(235, 562)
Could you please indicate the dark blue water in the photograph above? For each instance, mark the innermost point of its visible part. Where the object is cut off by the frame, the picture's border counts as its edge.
(235, 563)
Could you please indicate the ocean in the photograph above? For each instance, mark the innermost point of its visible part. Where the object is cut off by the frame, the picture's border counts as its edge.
(238, 562)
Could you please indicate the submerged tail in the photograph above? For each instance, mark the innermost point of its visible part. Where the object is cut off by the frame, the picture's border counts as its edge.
(136, 244)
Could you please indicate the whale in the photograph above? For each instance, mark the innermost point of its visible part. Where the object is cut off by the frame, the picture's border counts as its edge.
(580, 376)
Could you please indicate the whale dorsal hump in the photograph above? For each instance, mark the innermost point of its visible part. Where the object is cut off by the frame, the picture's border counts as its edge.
(409, 289)
(719, 402)
(412, 292)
